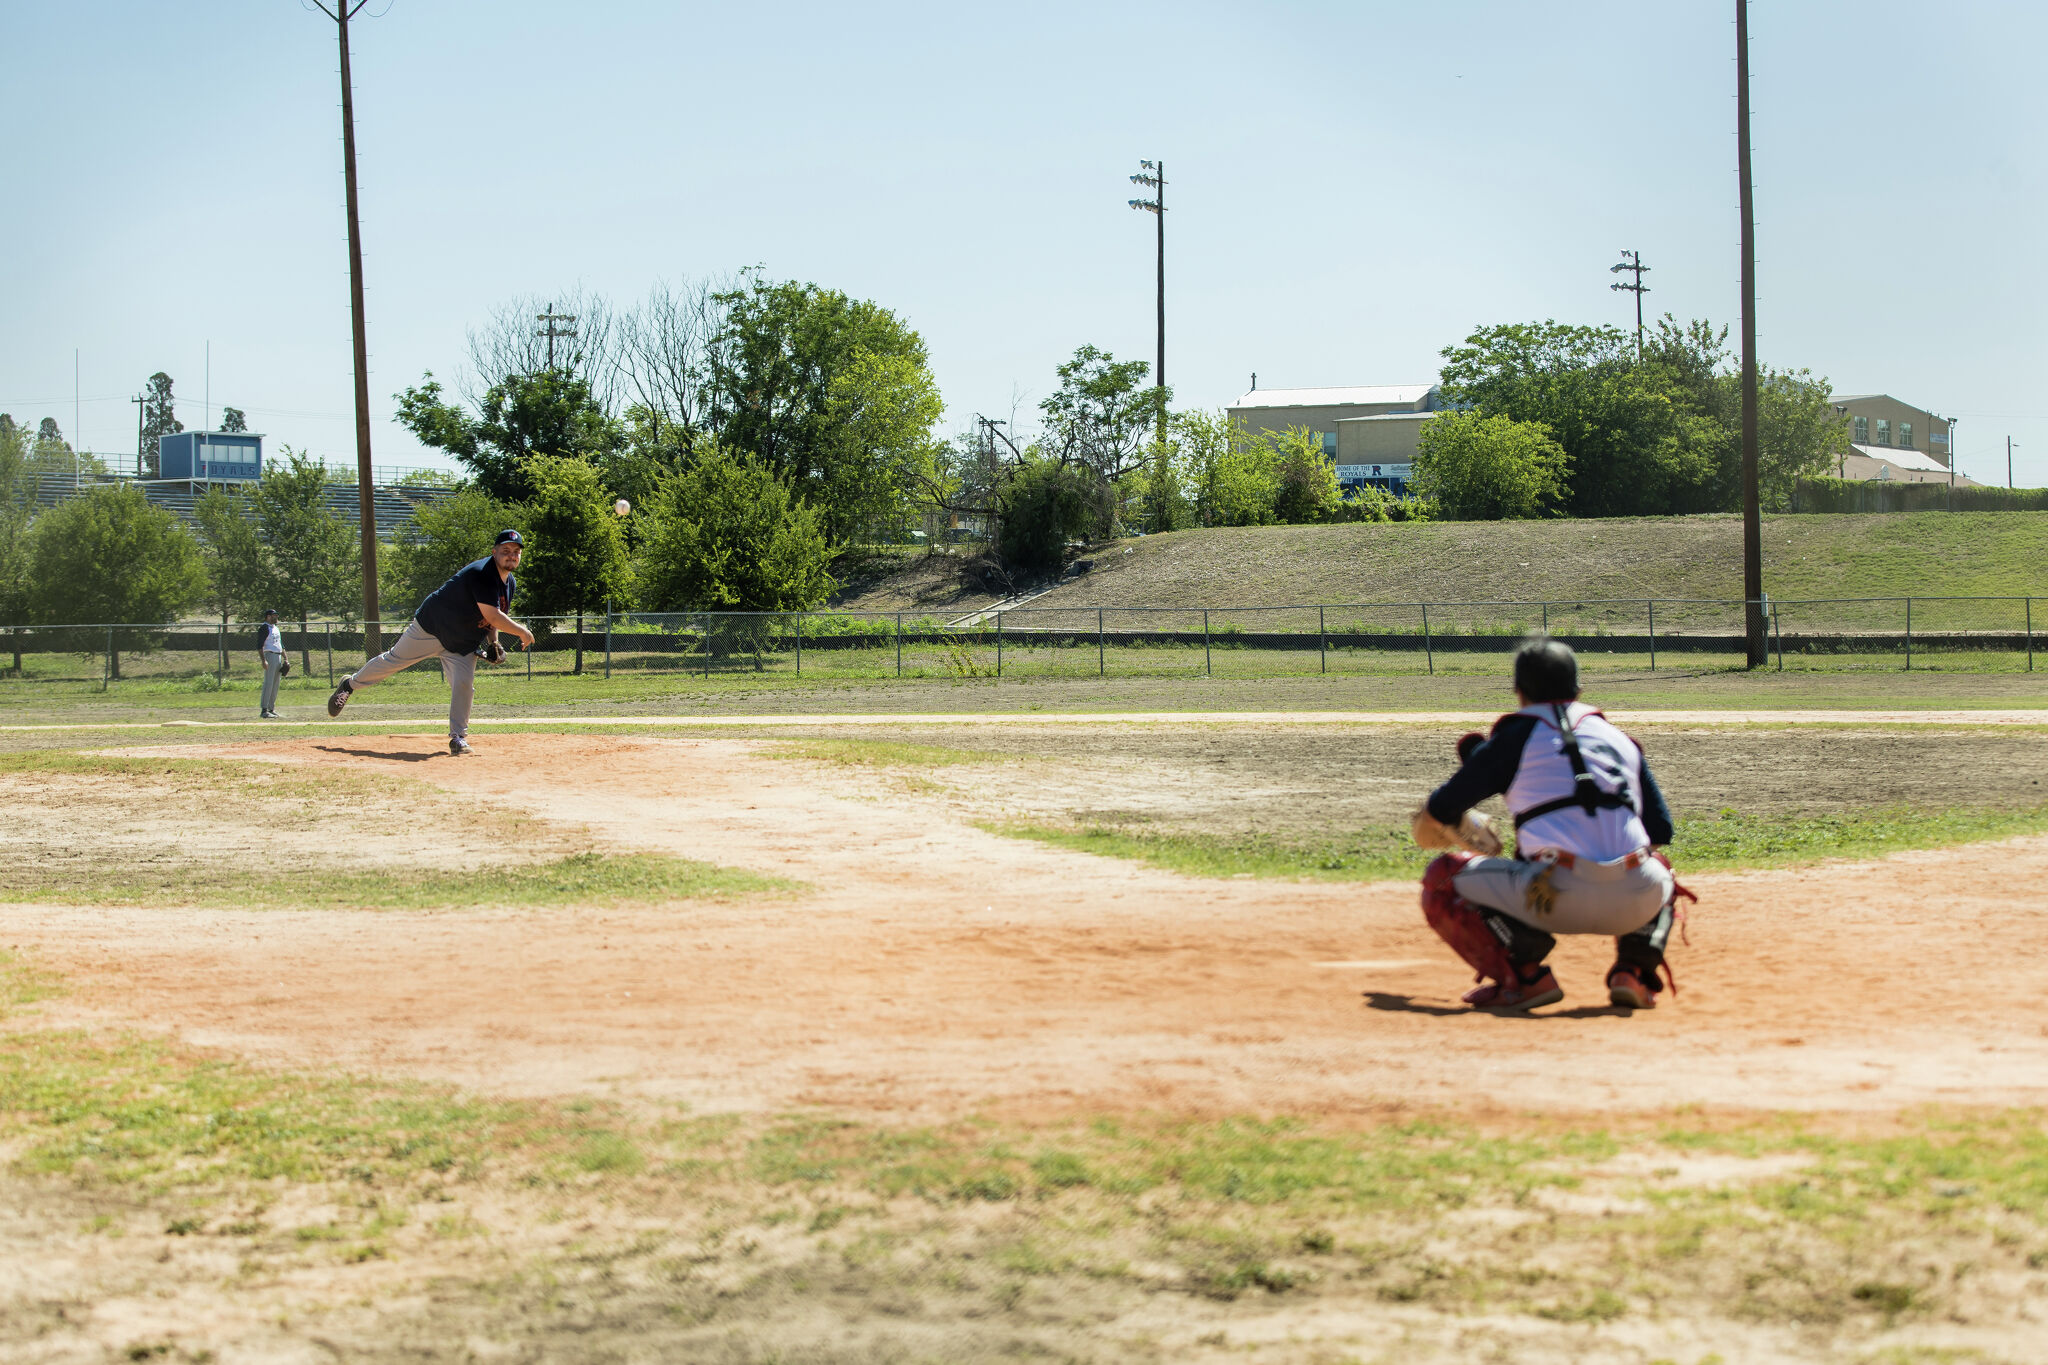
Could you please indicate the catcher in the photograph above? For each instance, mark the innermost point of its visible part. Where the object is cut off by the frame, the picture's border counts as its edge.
(1588, 823)
(458, 623)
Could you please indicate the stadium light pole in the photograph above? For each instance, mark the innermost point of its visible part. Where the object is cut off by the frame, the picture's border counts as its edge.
(1752, 514)
(366, 499)
(1152, 175)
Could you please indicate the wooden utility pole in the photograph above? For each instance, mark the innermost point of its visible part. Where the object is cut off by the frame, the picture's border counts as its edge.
(1752, 513)
(1633, 261)
(366, 496)
(1152, 175)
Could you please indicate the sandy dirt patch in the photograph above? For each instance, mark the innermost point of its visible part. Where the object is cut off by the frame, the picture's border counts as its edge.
(934, 968)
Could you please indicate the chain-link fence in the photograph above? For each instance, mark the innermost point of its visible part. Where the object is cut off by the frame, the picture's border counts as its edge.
(1976, 634)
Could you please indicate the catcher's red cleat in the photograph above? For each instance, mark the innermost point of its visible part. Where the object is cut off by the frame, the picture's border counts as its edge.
(1542, 989)
(1628, 990)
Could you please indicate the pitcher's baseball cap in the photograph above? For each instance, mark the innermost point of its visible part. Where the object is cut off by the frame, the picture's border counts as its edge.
(509, 538)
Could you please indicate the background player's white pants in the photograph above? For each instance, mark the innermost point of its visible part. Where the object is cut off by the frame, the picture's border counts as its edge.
(1590, 897)
(416, 646)
(273, 669)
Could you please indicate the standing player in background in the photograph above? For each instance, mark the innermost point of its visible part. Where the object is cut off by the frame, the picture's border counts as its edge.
(270, 649)
(1588, 822)
(459, 621)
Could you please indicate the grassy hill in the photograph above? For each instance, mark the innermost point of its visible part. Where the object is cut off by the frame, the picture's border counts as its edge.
(1886, 555)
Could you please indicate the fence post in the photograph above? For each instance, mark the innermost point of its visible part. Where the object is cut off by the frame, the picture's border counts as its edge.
(330, 653)
(1546, 618)
(1101, 655)
(1778, 630)
(1323, 637)
(799, 644)
(220, 656)
(2030, 635)
(1652, 603)
(1909, 634)
(999, 644)
(1428, 646)
(607, 639)
(899, 644)
(1207, 670)
(107, 663)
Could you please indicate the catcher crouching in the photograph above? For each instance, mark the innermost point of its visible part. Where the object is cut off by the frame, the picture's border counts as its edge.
(1589, 823)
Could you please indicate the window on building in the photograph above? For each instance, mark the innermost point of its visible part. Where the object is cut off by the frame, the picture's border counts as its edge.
(1330, 444)
(1884, 431)
(1862, 431)
(1906, 435)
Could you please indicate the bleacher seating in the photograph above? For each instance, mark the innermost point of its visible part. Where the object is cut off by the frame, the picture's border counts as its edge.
(394, 506)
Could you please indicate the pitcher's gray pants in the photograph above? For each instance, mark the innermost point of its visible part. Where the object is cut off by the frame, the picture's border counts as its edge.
(416, 646)
(273, 668)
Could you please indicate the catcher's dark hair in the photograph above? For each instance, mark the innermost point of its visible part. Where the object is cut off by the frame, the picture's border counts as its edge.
(1546, 670)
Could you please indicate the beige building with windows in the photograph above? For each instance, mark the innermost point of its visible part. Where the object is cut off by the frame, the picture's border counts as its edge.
(1370, 432)
(1894, 441)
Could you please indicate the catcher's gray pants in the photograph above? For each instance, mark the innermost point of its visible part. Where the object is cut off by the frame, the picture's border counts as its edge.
(1569, 895)
(416, 646)
(273, 669)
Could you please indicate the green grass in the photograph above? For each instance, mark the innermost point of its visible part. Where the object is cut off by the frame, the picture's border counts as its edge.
(587, 878)
(871, 753)
(1717, 841)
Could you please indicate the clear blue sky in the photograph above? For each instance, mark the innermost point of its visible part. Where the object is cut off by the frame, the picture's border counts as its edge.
(1355, 186)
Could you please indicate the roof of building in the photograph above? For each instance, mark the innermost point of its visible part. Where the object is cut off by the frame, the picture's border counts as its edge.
(1900, 457)
(1388, 417)
(1334, 397)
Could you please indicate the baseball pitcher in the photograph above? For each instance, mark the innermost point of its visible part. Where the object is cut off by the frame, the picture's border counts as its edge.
(1589, 821)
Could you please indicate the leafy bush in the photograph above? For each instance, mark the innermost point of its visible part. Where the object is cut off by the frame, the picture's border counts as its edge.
(1045, 505)
(728, 535)
(1479, 468)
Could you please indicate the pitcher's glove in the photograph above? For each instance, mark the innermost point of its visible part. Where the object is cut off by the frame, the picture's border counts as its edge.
(1474, 831)
(492, 652)
(284, 670)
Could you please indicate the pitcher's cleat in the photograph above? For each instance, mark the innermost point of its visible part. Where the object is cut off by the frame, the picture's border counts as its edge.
(1628, 990)
(339, 697)
(459, 747)
(1520, 995)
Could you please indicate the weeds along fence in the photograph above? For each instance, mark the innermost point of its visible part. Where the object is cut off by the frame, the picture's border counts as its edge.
(1974, 634)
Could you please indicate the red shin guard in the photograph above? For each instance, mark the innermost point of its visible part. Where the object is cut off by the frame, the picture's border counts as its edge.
(1458, 923)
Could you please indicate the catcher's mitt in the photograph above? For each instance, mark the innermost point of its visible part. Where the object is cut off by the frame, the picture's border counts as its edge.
(1474, 831)
(492, 652)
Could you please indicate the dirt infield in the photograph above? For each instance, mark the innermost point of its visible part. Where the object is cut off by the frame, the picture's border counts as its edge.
(933, 968)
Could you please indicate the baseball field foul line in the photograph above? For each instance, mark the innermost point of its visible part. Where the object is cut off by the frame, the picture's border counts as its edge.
(1471, 718)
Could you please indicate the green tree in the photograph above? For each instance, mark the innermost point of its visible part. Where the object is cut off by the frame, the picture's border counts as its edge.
(231, 551)
(17, 510)
(1045, 504)
(576, 558)
(552, 412)
(445, 535)
(1103, 415)
(1638, 444)
(882, 409)
(1235, 473)
(1305, 478)
(792, 364)
(1480, 468)
(159, 418)
(729, 533)
(311, 558)
(108, 556)
(233, 419)
(1164, 504)
(1799, 433)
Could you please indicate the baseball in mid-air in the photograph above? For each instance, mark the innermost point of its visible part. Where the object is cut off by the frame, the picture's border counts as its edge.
(622, 507)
